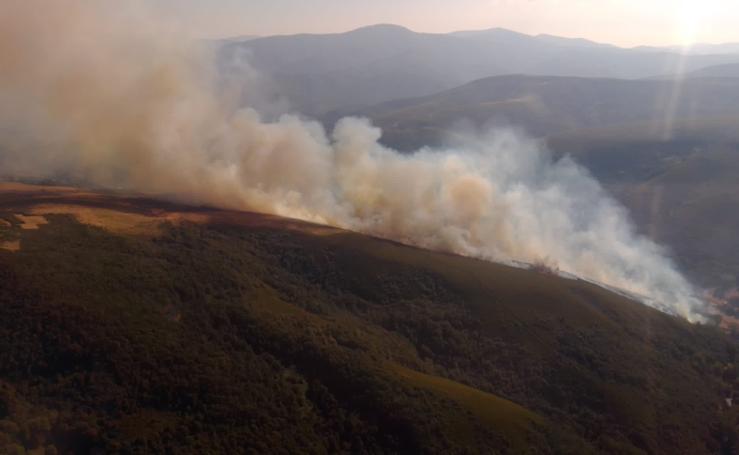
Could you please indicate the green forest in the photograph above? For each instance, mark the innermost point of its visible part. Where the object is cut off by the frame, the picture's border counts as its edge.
(225, 338)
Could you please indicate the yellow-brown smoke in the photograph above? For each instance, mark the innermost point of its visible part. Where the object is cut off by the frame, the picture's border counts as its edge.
(99, 92)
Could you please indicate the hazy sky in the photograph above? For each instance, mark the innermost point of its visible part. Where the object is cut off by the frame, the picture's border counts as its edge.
(622, 22)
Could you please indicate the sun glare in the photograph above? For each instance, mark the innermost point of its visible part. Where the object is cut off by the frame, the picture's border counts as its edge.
(691, 15)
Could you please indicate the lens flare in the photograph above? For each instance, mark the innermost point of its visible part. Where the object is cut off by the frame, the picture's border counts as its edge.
(691, 15)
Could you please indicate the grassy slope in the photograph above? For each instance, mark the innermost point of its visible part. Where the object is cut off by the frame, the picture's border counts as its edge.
(509, 418)
(252, 333)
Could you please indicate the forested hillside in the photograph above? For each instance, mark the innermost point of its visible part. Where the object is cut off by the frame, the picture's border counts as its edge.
(134, 326)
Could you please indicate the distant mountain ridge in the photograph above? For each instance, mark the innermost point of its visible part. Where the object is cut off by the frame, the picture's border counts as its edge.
(320, 73)
(696, 49)
(728, 70)
(547, 105)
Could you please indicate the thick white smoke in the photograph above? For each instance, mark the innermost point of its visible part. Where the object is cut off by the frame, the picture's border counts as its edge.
(102, 97)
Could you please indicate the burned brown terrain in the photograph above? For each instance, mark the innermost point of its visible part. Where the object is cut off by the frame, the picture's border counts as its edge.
(29, 204)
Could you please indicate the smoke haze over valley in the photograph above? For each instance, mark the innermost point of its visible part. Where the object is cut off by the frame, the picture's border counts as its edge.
(129, 107)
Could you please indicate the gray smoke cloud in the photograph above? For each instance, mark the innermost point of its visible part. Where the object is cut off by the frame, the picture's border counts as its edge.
(103, 93)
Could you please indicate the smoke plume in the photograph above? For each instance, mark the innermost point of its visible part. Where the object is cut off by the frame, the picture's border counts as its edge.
(119, 99)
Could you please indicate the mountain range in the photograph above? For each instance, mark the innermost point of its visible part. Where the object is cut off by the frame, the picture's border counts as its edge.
(371, 65)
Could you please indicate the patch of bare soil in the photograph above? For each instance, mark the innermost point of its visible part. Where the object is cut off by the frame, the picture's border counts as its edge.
(12, 246)
(111, 220)
(30, 222)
